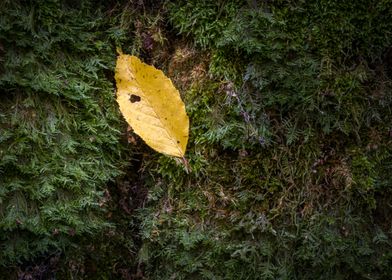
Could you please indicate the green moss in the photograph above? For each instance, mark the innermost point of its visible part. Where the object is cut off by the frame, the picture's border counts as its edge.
(287, 147)
(289, 103)
(60, 139)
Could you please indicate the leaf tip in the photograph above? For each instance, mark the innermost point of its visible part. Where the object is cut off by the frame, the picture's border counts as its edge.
(119, 51)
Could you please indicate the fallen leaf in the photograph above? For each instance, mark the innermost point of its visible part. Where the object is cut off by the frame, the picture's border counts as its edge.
(151, 105)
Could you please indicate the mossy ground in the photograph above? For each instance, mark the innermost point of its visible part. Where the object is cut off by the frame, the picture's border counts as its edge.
(290, 141)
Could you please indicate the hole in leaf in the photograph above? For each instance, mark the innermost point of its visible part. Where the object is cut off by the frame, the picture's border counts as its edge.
(134, 98)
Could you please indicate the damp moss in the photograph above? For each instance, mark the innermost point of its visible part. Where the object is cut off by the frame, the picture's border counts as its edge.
(290, 144)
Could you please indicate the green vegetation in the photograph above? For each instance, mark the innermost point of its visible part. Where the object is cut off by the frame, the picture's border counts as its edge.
(60, 127)
(290, 142)
(290, 146)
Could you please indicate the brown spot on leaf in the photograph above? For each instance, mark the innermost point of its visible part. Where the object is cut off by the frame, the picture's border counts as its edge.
(134, 98)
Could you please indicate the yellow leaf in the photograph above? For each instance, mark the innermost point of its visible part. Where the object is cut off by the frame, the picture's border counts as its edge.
(151, 105)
